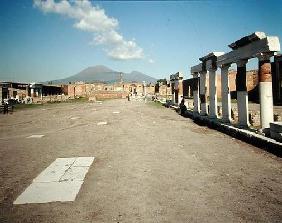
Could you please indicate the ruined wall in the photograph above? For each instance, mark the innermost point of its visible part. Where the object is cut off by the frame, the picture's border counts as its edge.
(109, 94)
(151, 89)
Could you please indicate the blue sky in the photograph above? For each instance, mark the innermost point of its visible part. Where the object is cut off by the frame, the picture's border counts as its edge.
(156, 38)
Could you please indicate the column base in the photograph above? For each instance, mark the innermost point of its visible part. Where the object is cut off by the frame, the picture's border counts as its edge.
(203, 109)
(226, 120)
(243, 126)
(212, 117)
(196, 114)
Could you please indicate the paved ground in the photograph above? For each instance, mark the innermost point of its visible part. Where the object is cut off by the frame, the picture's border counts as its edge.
(151, 165)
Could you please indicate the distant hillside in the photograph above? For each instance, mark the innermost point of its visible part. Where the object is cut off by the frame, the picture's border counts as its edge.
(104, 74)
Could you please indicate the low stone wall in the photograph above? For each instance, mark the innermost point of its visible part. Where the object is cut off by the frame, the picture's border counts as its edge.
(50, 98)
(109, 95)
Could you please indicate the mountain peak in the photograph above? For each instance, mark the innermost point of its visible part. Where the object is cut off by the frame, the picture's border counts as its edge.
(101, 73)
(97, 69)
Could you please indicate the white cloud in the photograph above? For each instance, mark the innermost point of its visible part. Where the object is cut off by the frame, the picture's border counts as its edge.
(94, 19)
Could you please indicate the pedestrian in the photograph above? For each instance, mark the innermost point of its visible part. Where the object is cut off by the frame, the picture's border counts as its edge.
(182, 106)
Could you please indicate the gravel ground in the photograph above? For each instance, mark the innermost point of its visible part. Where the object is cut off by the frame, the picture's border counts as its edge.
(151, 165)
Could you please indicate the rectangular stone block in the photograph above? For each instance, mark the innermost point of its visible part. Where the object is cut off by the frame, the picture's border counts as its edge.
(49, 192)
(61, 181)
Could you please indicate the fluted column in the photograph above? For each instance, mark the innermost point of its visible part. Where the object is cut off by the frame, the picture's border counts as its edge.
(265, 91)
(212, 93)
(225, 92)
(242, 94)
(203, 93)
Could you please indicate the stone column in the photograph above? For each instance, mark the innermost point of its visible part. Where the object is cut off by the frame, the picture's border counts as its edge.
(265, 91)
(144, 88)
(196, 108)
(41, 93)
(242, 94)
(172, 93)
(180, 90)
(213, 94)
(203, 92)
(225, 92)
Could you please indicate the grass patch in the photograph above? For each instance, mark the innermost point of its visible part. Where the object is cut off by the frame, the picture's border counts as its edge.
(27, 106)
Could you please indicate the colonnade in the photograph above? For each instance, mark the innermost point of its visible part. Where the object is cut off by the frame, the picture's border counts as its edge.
(256, 45)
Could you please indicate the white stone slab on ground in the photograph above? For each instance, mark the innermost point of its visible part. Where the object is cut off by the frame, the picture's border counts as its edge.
(83, 161)
(34, 136)
(73, 118)
(116, 112)
(55, 171)
(102, 123)
(49, 192)
(61, 181)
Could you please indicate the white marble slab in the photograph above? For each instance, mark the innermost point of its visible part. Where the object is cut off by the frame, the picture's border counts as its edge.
(74, 118)
(83, 161)
(60, 181)
(55, 171)
(116, 112)
(102, 123)
(75, 174)
(49, 192)
(34, 136)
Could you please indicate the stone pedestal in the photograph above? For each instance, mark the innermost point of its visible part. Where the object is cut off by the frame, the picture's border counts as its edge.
(276, 131)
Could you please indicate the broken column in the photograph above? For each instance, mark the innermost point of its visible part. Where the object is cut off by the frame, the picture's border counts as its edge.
(225, 92)
(242, 94)
(265, 91)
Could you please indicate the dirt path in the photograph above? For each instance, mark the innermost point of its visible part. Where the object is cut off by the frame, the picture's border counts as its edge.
(151, 165)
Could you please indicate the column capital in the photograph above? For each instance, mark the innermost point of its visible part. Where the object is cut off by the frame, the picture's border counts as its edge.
(242, 63)
(225, 66)
(212, 69)
(195, 75)
(264, 56)
(204, 72)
